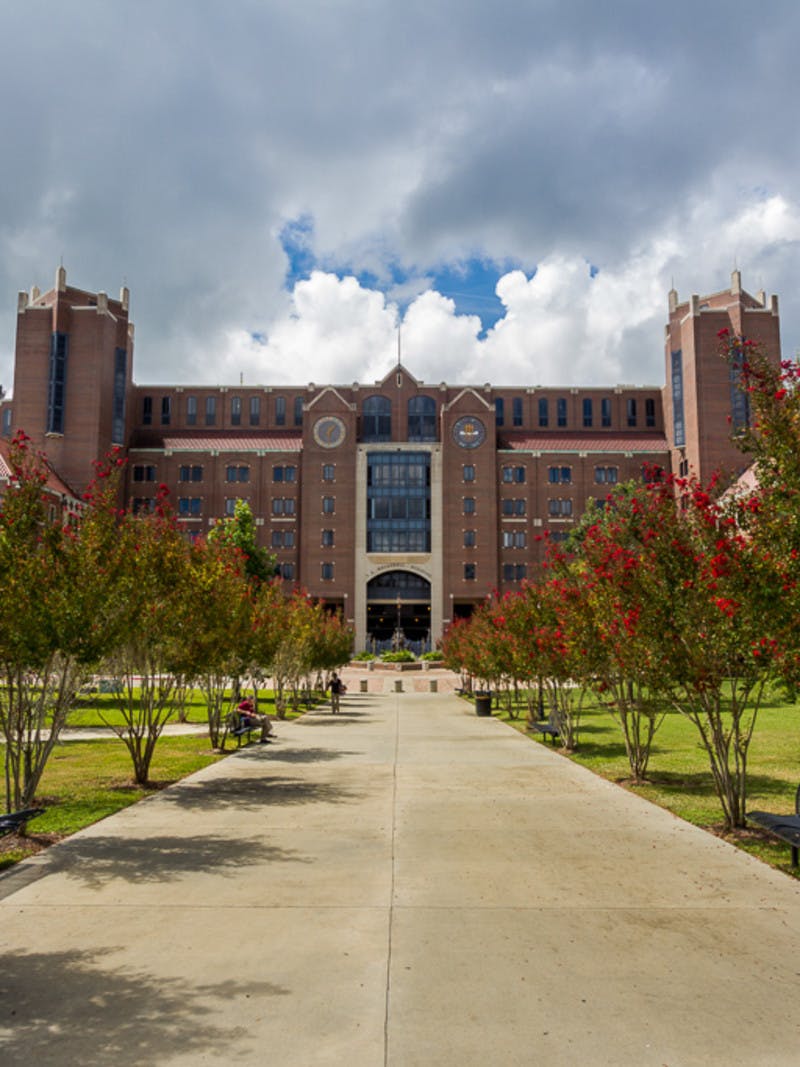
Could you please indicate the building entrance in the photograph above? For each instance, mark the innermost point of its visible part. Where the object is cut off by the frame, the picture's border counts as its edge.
(399, 612)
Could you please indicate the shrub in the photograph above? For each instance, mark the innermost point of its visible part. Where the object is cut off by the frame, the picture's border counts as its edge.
(403, 656)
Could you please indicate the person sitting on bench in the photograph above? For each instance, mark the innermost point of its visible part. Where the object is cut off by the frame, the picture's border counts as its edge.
(250, 717)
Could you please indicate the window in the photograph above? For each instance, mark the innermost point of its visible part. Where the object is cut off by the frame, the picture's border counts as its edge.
(559, 475)
(516, 404)
(327, 538)
(237, 474)
(605, 411)
(287, 572)
(513, 507)
(513, 474)
(561, 411)
(166, 410)
(469, 538)
(230, 505)
(236, 411)
(147, 410)
(606, 475)
(470, 572)
(298, 411)
(376, 419)
(499, 411)
(543, 416)
(118, 405)
(514, 572)
(329, 472)
(142, 473)
(650, 412)
(678, 426)
(190, 507)
(326, 572)
(469, 472)
(283, 538)
(587, 412)
(211, 410)
(255, 410)
(283, 505)
(6, 422)
(559, 508)
(422, 418)
(328, 505)
(398, 501)
(190, 474)
(284, 474)
(631, 409)
(191, 410)
(280, 410)
(514, 539)
(277, 539)
(469, 505)
(142, 503)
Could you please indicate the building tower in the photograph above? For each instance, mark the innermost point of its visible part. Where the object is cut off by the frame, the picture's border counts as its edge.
(702, 402)
(72, 375)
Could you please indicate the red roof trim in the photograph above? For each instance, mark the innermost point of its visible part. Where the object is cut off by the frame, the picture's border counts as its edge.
(543, 442)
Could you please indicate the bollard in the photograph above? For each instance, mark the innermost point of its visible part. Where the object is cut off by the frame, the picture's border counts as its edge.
(363, 685)
(433, 685)
(398, 685)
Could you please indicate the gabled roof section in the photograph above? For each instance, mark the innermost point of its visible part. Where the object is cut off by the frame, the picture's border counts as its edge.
(391, 377)
(327, 392)
(473, 394)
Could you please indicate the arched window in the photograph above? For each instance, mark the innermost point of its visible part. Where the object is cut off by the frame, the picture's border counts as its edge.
(376, 419)
(422, 418)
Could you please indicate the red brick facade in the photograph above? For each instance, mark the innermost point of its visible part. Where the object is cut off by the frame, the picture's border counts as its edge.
(506, 467)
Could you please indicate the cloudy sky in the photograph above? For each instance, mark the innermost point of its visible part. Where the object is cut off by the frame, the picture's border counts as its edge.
(282, 183)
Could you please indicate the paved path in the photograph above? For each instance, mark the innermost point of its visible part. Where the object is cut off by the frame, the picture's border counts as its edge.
(408, 885)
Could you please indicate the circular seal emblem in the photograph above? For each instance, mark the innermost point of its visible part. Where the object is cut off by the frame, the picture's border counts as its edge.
(469, 432)
(329, 431)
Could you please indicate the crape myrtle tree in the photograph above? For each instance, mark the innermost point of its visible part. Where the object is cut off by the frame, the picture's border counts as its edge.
(769, 511)
(612, 559)
(154, 614)
(310, 641)
(54, 597)
(215, 650)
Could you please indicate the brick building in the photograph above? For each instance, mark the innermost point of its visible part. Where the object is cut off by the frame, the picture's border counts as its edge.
(401, 503)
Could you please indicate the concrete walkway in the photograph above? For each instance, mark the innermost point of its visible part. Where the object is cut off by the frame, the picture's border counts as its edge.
(405, 884)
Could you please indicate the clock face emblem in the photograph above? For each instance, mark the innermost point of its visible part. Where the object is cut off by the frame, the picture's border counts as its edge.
(469, 432)
(329, 431)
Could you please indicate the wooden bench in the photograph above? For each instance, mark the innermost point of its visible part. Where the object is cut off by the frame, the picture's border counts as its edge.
(237, 726)
(784, 827)
(16, 820)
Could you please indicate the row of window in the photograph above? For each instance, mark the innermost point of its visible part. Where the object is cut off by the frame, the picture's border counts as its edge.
(509, 538)
(210, 410)
(512, 572)
(376, 411)
(555, 475)
(143, 472)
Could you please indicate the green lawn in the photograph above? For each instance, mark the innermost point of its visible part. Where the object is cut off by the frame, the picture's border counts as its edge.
(90, 710)
(679, 778)
(85, 781)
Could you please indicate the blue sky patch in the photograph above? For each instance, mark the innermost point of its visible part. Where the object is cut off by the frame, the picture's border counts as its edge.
(470, 283)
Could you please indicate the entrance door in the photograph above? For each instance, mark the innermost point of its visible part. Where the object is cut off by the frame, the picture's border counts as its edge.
(398, 612)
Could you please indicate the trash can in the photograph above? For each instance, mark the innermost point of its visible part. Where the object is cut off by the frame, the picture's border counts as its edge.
(433, 685)
(483, 703)
(363, 685)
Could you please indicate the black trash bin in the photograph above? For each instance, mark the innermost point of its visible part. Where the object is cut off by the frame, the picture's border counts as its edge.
(483, 703)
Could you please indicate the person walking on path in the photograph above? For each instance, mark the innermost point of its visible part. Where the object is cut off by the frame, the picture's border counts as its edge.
(336, 687)
(249, 715)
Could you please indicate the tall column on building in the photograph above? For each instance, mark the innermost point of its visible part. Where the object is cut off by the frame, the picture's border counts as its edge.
(72, 375)
(702, 402)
